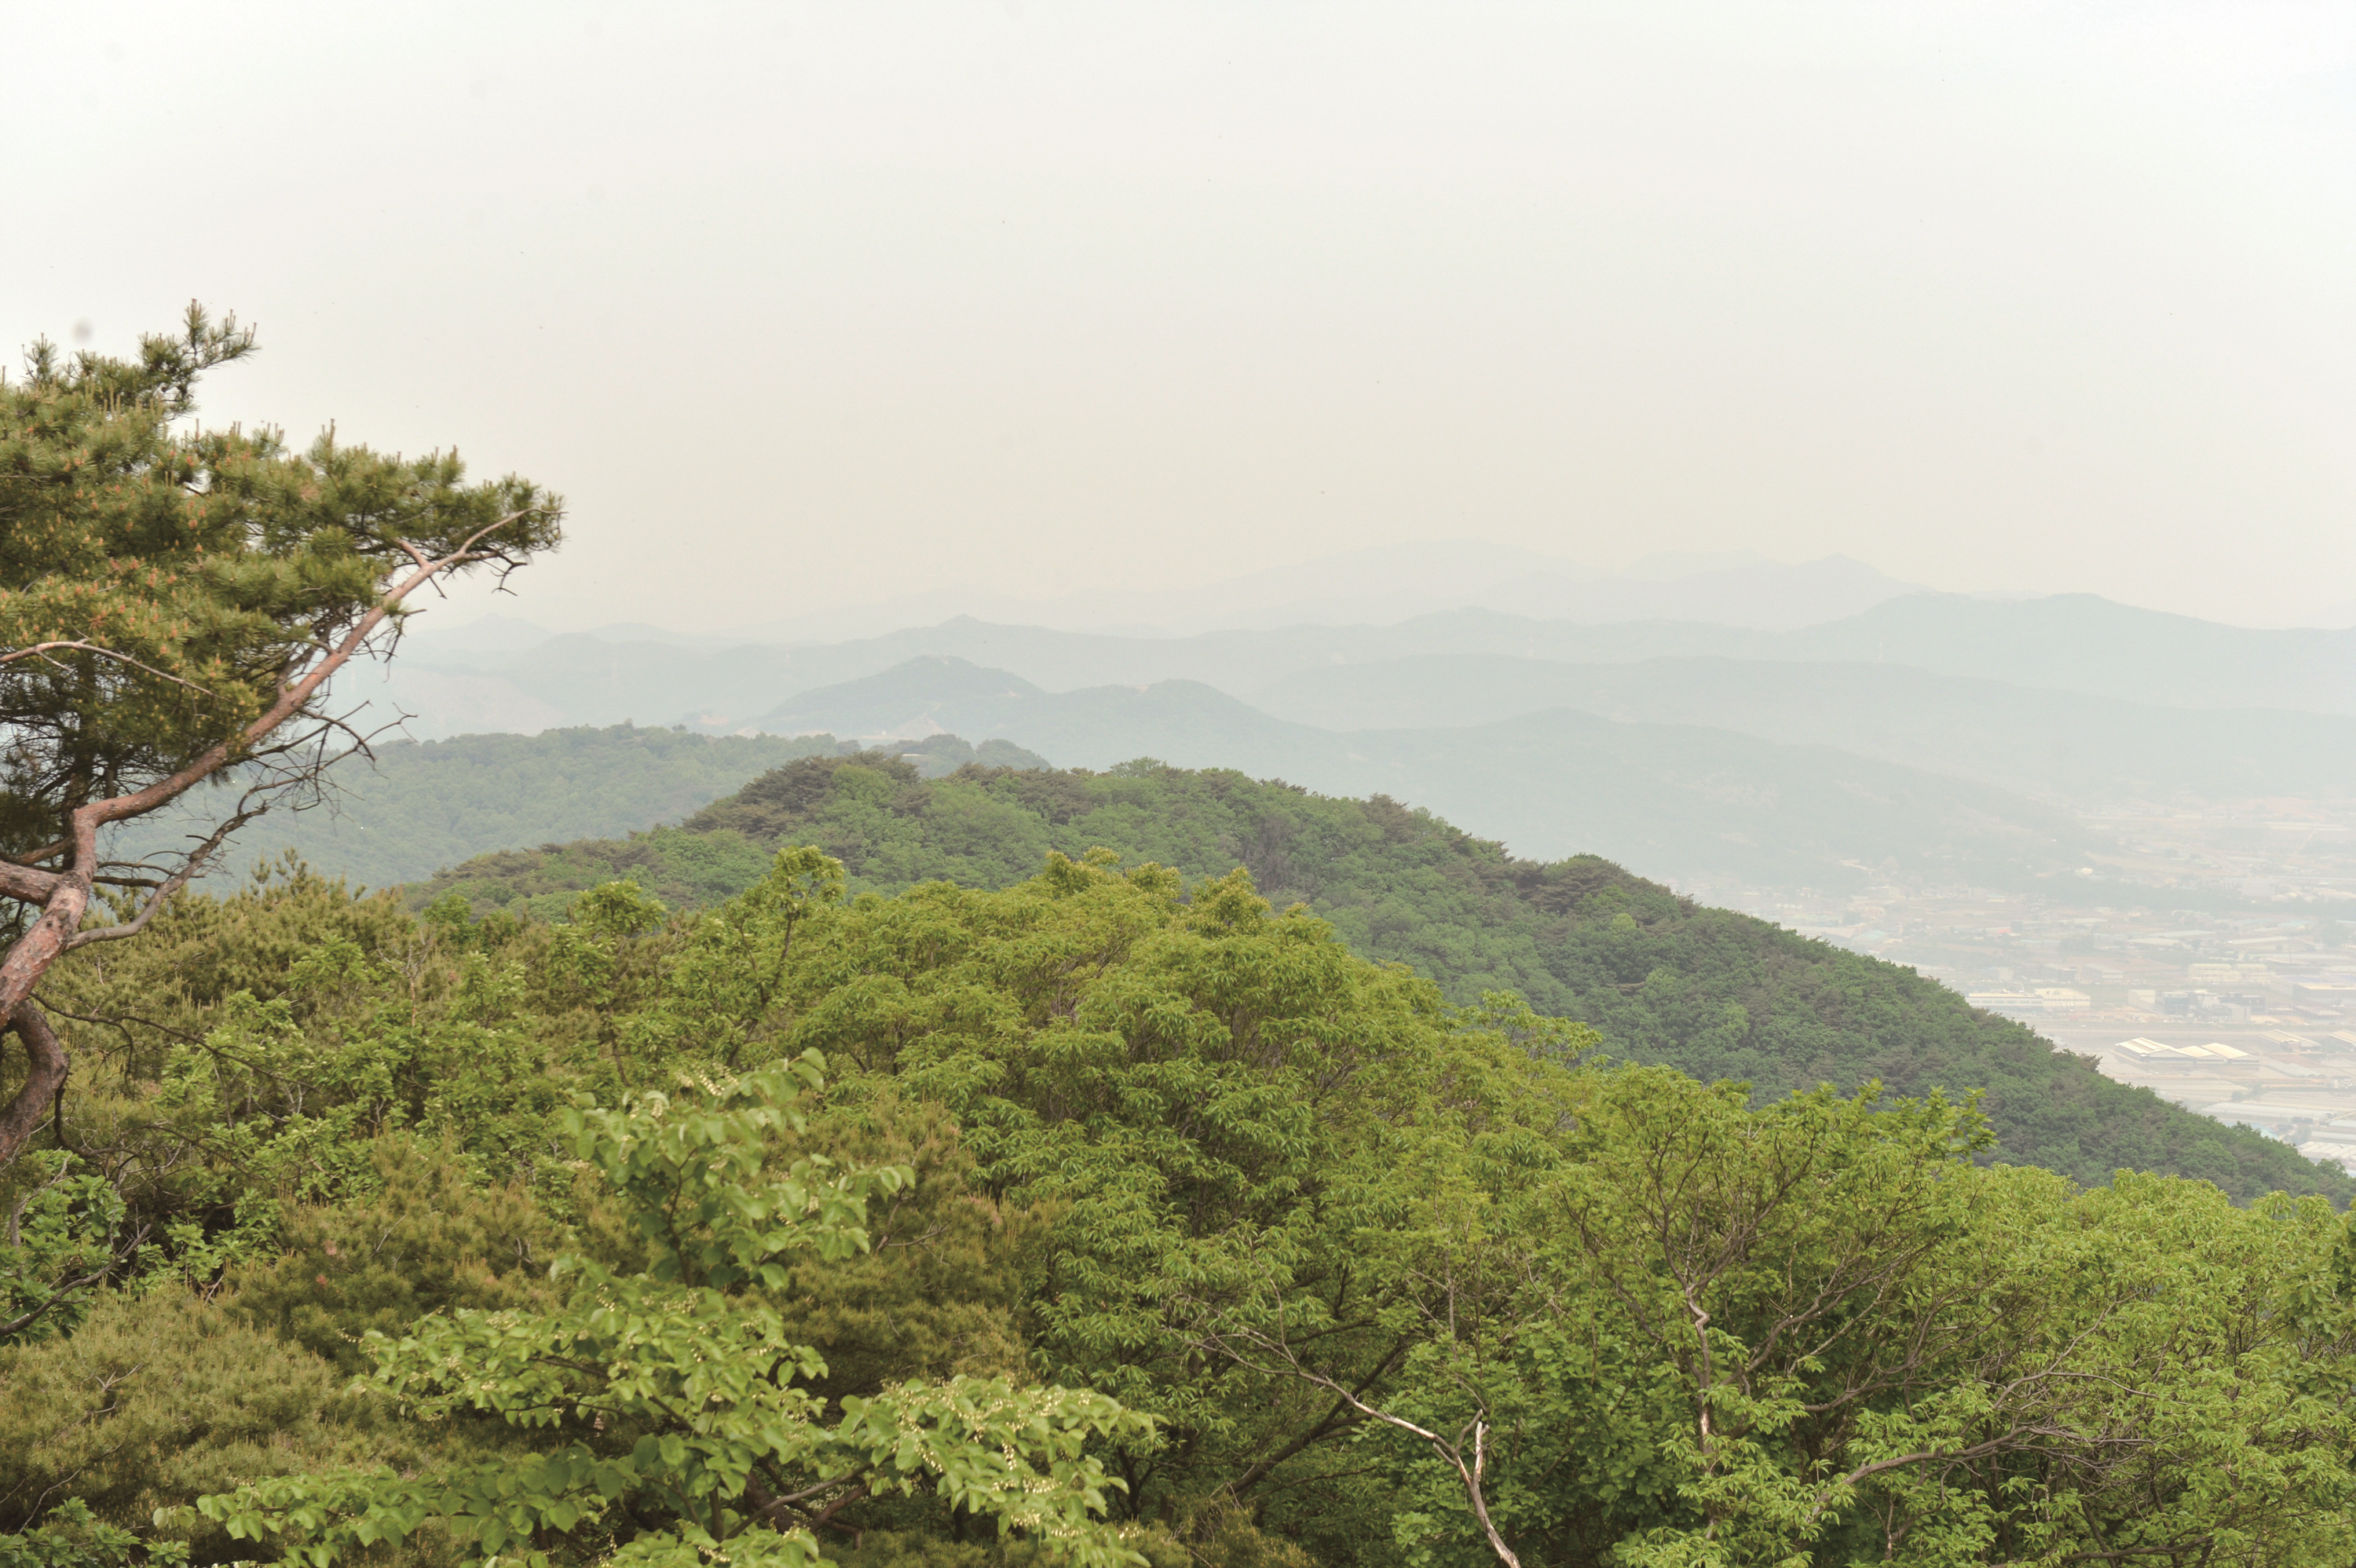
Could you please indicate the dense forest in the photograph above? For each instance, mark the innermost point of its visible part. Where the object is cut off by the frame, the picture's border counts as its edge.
(1713, 993)
(1110, 1217)
(1009, 1167)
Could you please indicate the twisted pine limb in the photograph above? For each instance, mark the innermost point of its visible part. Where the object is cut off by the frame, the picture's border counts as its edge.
(84, 646)
(63, 895)
(45, 1076)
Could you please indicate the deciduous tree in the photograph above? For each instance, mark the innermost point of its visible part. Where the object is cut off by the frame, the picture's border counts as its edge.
(676, 1404)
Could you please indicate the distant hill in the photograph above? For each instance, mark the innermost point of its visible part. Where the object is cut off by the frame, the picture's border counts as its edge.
(2077, 642)
(2067, 643)
(2048, 743)
(928, 693)
(1703, 807)
(1718, 994)
(424, 806)
(1700, 807)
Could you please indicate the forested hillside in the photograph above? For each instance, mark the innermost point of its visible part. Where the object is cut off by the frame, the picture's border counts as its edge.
(1102, 1221)
(1716, 994)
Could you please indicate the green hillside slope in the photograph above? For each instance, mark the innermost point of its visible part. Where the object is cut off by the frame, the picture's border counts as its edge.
(1713, 992)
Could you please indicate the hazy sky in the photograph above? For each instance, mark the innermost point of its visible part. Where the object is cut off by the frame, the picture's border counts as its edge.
(798, 301)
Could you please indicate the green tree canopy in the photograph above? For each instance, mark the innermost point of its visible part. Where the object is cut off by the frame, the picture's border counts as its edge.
(174, 601)
(1708, 991)
(680, 1428)
(1375, 1266)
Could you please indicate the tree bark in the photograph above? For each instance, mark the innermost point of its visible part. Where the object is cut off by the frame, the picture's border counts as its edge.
(45, 1075)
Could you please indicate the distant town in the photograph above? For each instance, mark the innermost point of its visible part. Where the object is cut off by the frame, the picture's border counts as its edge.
(2210, 957)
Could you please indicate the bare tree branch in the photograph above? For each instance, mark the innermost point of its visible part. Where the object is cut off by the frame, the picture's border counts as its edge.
(62, 1292)
(83, 645)
(162, 895)
(1471, 1472)
(1325, 1428)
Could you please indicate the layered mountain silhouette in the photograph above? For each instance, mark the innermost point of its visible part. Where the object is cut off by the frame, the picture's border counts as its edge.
(1947, 736)
(2053, 744)
(1700, 806)
(2075, 642)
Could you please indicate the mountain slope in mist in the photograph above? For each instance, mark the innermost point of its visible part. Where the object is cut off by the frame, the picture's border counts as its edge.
(417, 805)
(1701, 806)
(2078, 642)
(2060, 746)
(2072, 644)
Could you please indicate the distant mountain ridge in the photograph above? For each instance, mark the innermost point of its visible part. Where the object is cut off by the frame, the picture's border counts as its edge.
(2069, 643)
(1704, 807)
(923, 689)
(2046, 744)
(1699, 806)
(2078, 642)
(1948, 737)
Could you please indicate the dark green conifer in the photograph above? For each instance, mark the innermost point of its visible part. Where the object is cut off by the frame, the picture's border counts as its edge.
(173, 602)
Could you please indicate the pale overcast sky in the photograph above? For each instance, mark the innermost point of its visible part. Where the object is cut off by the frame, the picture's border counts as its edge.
(801, 301)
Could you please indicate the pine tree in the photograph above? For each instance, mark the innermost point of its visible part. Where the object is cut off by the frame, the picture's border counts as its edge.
(174, 601)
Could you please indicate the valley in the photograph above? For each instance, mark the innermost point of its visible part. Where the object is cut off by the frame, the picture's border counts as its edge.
(1044, 786)
(1991, 807)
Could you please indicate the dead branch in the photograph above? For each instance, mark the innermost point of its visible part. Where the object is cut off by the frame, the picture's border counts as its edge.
(162, 895)
(58, 1295)
(83, 645)
(1471, 1472)
(1331, 1423)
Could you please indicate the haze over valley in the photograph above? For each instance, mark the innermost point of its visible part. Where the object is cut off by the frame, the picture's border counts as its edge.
(2003, 792)
(1982, 740)
(1178, 785)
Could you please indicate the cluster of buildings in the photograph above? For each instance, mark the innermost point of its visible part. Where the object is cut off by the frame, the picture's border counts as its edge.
(2299, 1087)
(2036, 1005)
(2301, 1001)
(2241, 1012)
(2245, 1019)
